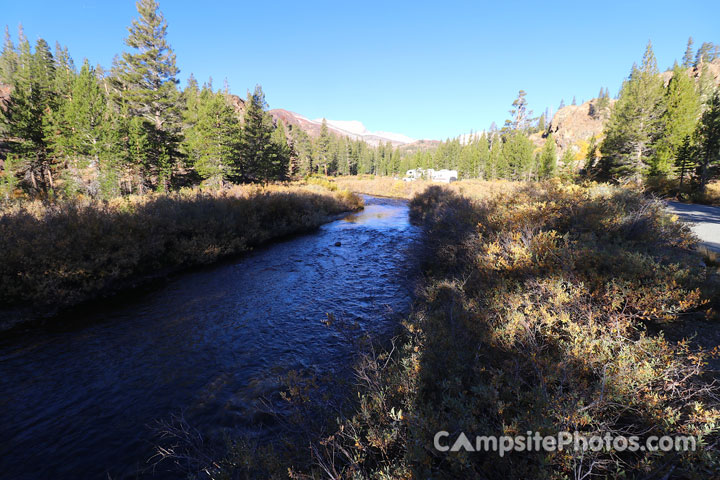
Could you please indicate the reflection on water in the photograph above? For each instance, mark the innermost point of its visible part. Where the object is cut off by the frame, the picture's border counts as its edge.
(379, 216)
(76, 401)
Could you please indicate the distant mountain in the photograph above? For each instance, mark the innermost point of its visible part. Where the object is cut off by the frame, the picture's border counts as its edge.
(350, 128)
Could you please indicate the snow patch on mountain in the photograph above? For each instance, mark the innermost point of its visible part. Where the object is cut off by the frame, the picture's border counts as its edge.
(358, 130)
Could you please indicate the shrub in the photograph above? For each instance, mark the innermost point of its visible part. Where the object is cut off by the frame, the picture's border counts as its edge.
(542, 311)
(58, 254)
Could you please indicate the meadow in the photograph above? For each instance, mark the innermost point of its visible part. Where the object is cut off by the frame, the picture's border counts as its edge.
(57, 254)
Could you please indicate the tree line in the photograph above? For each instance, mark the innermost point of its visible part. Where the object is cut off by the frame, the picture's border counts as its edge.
(654, 132)
(131, 129)
(660, 132)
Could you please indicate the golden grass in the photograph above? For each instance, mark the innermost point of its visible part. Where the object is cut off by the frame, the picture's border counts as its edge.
(393, 187)
(535, 316)
(58, 254)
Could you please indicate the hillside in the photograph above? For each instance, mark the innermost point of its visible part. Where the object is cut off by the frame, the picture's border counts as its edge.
(573, 125)
(351, 129)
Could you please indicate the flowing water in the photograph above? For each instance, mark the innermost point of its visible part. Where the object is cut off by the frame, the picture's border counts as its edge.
(79, 401)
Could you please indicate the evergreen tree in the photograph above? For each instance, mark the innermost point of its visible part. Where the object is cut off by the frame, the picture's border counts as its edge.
(706, 53)
(304, 151)
(547, 162)
(706, 85)
(322, 147)
(8, 60)
(541, 123)
(567, 164)
(682, 107)
(259, 158)
(64, 73)
(592, 155)
(145, 83)
(519, 114)
(284, 151)
(79, 124)
(213, 133)
(635, 122)
(78, 128)
(28, 110)
(685, 160)
(517, 153)
(708, 140)
(688, 57)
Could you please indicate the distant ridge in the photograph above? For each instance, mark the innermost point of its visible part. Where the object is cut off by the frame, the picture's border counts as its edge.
(349, 128)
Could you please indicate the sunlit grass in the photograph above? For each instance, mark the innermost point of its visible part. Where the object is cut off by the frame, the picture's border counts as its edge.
(394, 187)
(535, 315)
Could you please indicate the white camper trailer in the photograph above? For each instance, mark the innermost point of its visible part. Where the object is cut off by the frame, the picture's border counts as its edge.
(445, 176)
(414, 174)
(431, 174)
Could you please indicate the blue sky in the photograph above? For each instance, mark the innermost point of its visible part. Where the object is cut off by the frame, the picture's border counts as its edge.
(424, 69)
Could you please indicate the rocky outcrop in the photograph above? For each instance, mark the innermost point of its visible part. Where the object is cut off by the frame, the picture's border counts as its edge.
(5, 91)
(696, 72)
(575, 123)
(237, 103)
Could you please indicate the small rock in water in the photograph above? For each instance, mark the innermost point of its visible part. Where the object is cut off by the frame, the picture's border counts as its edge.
(337, 244)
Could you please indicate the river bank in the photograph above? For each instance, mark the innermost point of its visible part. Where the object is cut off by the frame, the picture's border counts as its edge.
(392, 187)
(539, 312)
(225, 347)
(54, 256)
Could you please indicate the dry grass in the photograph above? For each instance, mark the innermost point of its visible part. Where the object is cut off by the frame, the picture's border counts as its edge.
(393, 187)
(536, 315)
(59, 254)
(711, 195)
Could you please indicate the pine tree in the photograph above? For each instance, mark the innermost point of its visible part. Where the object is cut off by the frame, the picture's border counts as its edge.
(547, 162)
(304, 150)
(145, 85)
(685, 160)
(517, 152)
(8, 60)
(567, 164)
(212, 135)
(706, 85)
(682, 107)
(688, 57)
(322, 147)
(76, 133)
(28, 110)
(64, 73)
(259, 159)
(708, 139)
(592, 155)
(520, 115)
(704, 54)
(635, 122)
(284, 151)
(8, 178)
(80, 120)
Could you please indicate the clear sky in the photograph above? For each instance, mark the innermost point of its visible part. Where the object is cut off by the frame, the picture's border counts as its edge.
(424, 69)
